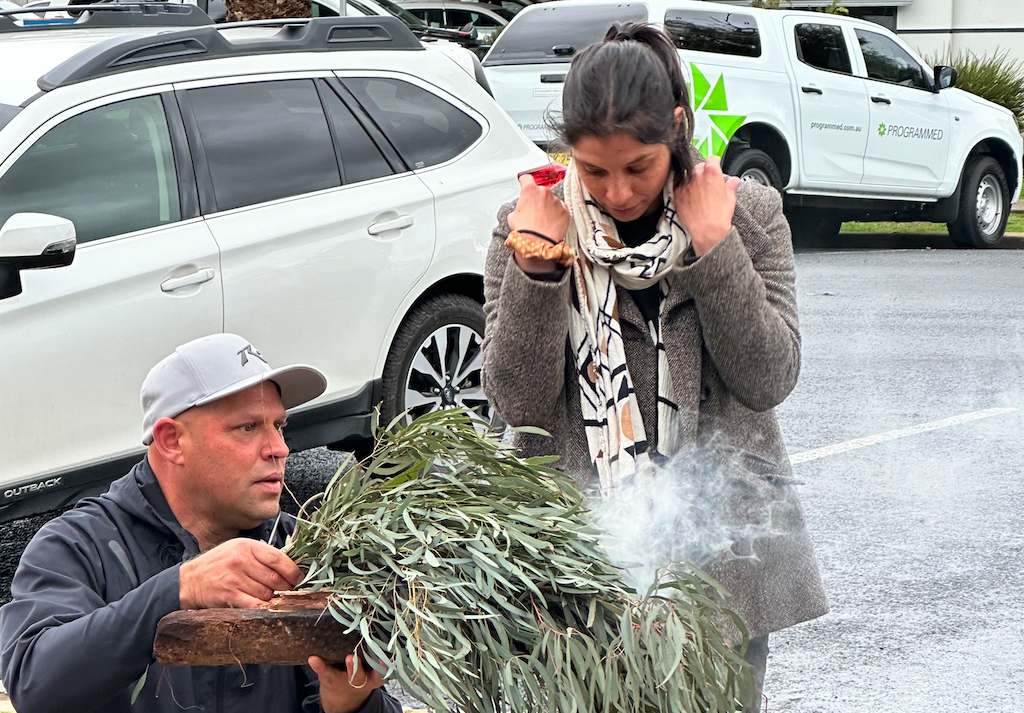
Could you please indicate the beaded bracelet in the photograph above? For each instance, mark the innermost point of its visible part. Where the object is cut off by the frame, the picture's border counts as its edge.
(530, 244)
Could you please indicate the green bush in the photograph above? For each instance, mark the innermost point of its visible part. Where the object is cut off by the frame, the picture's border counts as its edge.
(998, 78)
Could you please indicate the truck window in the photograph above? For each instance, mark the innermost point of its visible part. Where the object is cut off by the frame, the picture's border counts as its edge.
(719, 32)
(534, 36)
(886, 61)
(823, 47)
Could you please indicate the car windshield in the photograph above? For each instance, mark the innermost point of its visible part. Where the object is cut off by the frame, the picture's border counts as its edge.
(7, 112)
(553, 32)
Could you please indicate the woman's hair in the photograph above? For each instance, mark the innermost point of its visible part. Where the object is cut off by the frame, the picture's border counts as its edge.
(630, 82)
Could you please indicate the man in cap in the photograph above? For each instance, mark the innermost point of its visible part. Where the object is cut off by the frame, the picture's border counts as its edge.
(195, 525)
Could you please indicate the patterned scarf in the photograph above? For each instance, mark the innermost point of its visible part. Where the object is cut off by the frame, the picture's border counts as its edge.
(615, 430)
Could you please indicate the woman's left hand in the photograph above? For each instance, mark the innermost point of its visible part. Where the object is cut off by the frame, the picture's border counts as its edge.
(705, 205)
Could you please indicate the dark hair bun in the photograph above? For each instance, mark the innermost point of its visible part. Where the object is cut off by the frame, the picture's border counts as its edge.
(630, 82)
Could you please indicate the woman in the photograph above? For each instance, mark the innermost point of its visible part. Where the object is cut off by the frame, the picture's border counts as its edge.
(646, 308)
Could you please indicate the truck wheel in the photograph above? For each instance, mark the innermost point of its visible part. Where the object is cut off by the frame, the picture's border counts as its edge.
(436, 360)
(984, 205)
(755, 165)
(813, 226)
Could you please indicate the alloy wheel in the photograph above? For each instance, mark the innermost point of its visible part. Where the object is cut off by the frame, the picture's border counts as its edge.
(446, 372)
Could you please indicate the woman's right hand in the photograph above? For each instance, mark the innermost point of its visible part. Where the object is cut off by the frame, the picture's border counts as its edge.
(539, 210)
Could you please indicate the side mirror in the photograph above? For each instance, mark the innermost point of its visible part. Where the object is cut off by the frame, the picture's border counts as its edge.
(945, 77)
(33, 241)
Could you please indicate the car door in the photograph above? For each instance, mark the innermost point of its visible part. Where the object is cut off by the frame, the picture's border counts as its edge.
(76, 345)
(908, 144)
(833, 124)
(322, 235)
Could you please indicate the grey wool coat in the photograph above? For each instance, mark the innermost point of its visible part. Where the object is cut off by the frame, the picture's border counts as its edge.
(730, 329)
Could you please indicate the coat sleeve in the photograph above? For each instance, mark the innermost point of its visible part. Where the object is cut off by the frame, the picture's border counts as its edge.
(62, 647)
(525, 335)
(745, 292)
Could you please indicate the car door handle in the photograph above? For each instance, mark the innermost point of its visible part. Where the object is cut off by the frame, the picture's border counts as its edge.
(552, 79)
(195, 278)
(810, 90)
(402, 221)
(880, 100)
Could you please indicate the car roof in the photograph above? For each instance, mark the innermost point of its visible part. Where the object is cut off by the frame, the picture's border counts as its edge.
(52, 59)
(27, 57)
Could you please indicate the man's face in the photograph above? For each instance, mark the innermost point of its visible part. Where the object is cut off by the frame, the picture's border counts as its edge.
(234, 458)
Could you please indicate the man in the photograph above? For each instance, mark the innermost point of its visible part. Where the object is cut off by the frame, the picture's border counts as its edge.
(195, 525)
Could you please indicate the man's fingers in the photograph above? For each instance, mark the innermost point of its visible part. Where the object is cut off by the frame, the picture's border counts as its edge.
(279, 563)
(241, 600)
(526, 180)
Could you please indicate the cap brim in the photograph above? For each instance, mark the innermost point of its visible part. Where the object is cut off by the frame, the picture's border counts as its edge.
(298, 384)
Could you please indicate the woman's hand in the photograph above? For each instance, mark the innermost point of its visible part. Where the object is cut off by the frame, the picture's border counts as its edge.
(705, 205)
(538, 209)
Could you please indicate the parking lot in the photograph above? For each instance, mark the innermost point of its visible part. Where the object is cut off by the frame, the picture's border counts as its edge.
(916, 530)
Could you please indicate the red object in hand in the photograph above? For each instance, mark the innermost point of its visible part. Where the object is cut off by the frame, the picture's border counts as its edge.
(546, 176)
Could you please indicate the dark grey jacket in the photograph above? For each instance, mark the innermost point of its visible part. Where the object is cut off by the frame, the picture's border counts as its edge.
(88, 593)
(733, 342)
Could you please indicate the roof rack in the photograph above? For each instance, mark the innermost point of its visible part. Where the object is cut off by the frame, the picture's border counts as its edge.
(135, 14)
(321, 34)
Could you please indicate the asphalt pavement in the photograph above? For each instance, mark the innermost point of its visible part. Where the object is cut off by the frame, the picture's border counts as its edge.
(905, 427)
(918, 532)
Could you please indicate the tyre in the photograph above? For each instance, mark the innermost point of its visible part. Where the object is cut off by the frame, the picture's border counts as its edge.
(813, 226)
(436, 361)
(984, 205)
(754, 165)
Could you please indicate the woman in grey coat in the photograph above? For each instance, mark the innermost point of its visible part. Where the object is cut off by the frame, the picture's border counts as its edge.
(645, 308)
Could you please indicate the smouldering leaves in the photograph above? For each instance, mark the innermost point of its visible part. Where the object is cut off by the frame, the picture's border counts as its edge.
(475, 577)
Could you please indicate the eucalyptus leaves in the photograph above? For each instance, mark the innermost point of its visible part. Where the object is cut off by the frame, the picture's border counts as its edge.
(476, 580)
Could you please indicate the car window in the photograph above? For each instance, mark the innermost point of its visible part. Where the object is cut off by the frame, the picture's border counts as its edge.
(400, 12)
(361, 160)
(886, 61)
(554, 33)
(109, 171)
(823, 47)
(424, 128)
(264, 140)
(721, 32)
(461, 18)
(433, 17)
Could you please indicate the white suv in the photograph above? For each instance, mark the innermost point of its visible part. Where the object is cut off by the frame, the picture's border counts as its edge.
(326, 189)
(837, 113)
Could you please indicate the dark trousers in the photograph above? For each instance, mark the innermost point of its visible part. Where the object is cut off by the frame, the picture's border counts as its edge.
(757, 657)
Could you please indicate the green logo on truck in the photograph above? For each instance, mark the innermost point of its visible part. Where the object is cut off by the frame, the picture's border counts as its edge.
(713, 103)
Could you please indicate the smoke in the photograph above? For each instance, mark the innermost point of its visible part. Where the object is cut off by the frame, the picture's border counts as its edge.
(699, 507)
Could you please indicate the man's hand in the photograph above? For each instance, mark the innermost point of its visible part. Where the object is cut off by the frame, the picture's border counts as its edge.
(705, 205)
(345, 691)
(240, 573)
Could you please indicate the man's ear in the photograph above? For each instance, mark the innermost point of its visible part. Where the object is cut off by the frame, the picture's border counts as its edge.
(167, 436)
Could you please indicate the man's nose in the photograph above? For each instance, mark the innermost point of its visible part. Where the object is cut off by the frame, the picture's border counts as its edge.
(276, 447)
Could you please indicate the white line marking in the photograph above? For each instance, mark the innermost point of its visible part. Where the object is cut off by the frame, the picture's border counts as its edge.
(858, 443)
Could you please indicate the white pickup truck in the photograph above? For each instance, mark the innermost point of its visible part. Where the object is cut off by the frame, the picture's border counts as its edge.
(837, 113)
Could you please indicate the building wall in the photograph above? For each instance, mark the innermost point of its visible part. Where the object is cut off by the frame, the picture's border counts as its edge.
(981, 26)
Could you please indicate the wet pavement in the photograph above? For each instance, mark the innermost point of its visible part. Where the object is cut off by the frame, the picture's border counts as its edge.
(920, 537)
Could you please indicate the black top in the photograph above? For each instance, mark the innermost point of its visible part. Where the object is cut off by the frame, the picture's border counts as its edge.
(634, 233)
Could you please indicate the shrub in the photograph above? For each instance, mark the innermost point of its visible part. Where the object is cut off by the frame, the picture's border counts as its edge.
(998, 78)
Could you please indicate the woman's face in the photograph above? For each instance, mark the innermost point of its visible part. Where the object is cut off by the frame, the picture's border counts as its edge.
(623, 175)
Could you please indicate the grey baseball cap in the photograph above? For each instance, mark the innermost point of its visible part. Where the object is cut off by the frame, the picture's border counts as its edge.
(210, 368)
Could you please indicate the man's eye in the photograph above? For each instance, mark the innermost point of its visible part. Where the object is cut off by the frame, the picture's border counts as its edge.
(638, 171)
(249, 427)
